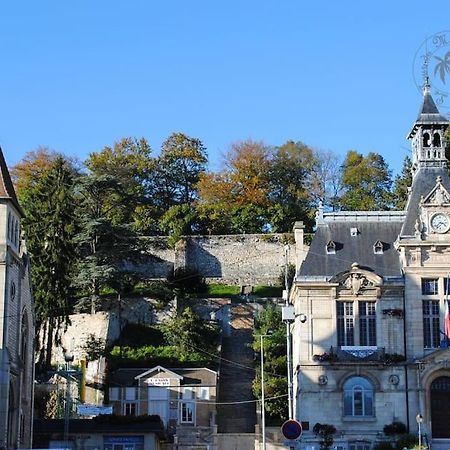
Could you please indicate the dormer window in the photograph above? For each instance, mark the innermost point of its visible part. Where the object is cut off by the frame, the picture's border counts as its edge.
(353, 231)
(331, 248)
(378, 248)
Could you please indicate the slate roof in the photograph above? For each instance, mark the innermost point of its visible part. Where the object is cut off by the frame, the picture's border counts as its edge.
(423, 182)
(6, 186)
(197, 375)
(350, 249)
(428, 113)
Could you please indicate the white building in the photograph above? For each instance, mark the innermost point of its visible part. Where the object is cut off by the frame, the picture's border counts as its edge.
(16, 323)
(373, 286)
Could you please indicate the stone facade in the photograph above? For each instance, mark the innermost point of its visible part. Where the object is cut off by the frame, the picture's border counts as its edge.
(374, 347)
(17, 323)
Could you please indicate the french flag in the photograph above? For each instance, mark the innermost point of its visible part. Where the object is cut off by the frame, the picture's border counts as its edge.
(447, 313)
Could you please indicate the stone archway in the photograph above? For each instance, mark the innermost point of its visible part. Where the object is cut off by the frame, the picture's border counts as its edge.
(440, 407)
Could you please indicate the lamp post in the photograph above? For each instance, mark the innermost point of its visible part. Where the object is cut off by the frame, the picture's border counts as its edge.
(263, 407)
(419, 420)
(68, 358)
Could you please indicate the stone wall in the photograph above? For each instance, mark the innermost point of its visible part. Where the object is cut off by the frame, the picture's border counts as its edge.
(233, 259)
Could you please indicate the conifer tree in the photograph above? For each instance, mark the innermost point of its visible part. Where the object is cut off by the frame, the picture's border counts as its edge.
(50, 227)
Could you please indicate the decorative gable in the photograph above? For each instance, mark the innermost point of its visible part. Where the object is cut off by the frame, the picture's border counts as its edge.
(438, 195)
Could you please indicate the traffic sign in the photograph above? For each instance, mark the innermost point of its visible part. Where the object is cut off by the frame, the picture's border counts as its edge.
(291, 429)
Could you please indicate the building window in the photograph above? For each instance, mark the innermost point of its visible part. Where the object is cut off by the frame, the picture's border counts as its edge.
(114, 393)
(367, 324)
(431, 331)
(355, 329)
(359, 446)
(378, 248)
(346, 323)
(331, 248)
(430, 286)
(129, 409)
(358, 397)
(130, 393)
(187, 412)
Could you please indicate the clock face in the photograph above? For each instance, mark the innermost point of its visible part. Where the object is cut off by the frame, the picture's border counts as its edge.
(440, 223)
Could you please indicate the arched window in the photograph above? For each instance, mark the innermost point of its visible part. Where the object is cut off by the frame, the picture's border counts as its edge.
(436, 140)
(358, 397)
(426, 139)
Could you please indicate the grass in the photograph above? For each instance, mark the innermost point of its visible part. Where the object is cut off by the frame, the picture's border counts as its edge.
(221, 290)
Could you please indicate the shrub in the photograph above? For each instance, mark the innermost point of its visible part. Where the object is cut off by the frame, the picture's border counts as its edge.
(326, 432)
(406, 440)
(395, 428)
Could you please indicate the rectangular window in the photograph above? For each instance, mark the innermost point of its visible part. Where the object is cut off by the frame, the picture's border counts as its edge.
(346, 323)
(130, 393)
(356, 324)
(446, 286)
(367, 324)
(114, 393)
(204, 393)
(129, 409)
(430, 286)
(431, 330)
(187, 412)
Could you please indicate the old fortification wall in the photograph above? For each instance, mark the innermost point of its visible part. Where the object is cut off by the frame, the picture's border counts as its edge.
(233, 259)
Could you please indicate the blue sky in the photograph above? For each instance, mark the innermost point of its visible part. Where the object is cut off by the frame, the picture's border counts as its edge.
(78, 75)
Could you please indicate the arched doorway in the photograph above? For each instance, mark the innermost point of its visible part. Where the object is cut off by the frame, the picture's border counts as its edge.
(440, 407)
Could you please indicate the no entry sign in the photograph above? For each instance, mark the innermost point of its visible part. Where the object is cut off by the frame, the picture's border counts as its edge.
(291, 429)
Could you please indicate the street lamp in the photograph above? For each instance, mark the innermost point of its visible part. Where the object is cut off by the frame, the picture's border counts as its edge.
(263, 408)
(419, 420)
(68, 358)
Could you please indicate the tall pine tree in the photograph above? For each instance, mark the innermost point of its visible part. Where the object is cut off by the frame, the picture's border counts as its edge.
(50, 226)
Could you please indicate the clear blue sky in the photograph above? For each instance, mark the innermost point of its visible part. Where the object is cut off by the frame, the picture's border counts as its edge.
(78, 75)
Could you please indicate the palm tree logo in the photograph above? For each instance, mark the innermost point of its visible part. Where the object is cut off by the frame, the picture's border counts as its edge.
(443, 66)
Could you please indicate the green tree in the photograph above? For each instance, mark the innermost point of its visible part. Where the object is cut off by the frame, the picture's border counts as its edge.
(50, 226)
(188, 332)
(401, 184)
(108, 252)
(275, 362)
(236, 200)
(289, 179)
(366, 182)
(130, 164)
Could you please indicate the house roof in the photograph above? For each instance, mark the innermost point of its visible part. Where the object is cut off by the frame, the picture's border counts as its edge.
(158, 369)
(6, 186)
(376, 226)
(196, 375)
(424, 182)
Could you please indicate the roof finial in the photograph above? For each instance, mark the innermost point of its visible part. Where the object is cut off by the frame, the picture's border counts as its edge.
(426, 85)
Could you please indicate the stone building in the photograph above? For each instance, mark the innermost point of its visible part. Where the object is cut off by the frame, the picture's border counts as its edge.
(16, 323)
(184, 399)
(373, 286)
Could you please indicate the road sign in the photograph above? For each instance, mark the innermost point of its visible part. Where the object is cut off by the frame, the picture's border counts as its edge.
(291, 429)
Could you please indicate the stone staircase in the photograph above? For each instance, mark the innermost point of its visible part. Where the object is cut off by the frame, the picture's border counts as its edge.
(235, 382)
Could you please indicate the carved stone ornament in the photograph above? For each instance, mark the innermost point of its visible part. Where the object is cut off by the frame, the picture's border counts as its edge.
(322, 380)
(438, 196)
(356, 280)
